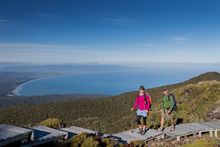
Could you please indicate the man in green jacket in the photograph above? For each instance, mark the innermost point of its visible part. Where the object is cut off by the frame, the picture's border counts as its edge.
(167, 111)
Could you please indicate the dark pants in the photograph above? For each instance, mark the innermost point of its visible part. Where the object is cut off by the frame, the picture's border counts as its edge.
(138, 120)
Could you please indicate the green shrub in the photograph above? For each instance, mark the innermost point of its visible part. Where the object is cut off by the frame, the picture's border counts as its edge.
(51, 122)
(203, 143)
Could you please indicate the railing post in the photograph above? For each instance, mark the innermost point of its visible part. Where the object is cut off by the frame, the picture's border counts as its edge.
(178, 138)
(200, 134)
(210, 133)
(216, 133)
(32, 136)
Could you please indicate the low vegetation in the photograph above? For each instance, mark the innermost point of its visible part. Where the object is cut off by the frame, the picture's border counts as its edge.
(204, 142)
(87, 140)
(51, 122)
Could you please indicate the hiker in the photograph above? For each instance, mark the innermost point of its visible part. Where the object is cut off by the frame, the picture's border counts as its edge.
(142, 104)
(168, 110)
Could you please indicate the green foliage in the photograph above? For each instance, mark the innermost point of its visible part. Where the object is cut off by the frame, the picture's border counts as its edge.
(87, 140)
(78, 139)
(51, 122)
(109, 142)
(137, 143)
(204, 94)
(203, 143)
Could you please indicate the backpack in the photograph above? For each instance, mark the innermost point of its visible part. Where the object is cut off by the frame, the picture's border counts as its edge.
(145, 98)
(174, 101)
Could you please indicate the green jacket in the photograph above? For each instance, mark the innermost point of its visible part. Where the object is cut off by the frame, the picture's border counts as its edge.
(168, 103)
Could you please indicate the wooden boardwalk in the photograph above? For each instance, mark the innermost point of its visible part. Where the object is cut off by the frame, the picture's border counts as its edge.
(42, 135)
(10, 134)
(182, 130)
(39, 135)
(73, 130)
(133, 135)
(194, 129)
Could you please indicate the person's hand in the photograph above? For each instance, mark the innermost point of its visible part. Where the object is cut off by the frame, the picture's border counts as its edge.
(169, 112)
(146, 111)
(132, 109)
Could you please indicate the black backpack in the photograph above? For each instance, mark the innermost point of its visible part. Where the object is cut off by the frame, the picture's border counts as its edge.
(174, 101)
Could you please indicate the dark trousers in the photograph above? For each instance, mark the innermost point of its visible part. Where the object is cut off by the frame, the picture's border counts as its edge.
(138, 120)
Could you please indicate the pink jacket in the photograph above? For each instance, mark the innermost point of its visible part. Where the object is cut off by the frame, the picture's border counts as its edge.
(141, 104)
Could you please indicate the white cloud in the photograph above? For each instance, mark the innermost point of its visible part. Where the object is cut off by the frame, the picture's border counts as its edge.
(3, 21)
(117, 20)
(180, 52)
(183, 39)
(44, 53)
(46, 15)
(144, 44)
(179, 39)
(31, 46)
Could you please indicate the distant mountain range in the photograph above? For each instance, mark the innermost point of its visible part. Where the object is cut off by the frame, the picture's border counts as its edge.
(61, 69)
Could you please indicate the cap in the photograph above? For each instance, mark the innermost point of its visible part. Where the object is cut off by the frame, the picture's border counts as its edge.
(165, 89)
(141, 88)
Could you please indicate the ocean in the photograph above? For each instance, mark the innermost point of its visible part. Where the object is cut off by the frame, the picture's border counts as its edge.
(110, 83)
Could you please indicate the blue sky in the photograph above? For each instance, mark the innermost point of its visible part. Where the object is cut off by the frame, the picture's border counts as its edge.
(110, 31)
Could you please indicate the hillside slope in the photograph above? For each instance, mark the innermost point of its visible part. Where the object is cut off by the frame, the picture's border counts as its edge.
(196, 98)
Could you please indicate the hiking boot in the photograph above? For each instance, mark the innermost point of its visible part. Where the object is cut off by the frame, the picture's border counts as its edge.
(172, 129)
(143, 132)
(160, 129)
(140, 130)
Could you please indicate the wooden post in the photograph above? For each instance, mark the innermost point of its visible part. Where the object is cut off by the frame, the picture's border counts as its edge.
(210, 133)
(178, 138)
(32, 136)
(216, 133)
(200, 134)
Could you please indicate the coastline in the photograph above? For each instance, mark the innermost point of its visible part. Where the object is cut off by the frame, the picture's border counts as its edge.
(18, 88)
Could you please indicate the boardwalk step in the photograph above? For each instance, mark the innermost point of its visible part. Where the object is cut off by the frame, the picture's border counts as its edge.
(73, 130)
(42, 135)
(132, 135)
(10, 134)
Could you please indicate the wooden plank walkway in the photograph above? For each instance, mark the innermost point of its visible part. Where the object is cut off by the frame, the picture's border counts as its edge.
(132, 135)
(10, 134)
(39, 135)
(42, 135)
(73, 130)
(183, 130)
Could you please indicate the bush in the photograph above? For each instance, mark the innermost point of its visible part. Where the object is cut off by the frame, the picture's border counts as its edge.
(51, 122)
(203, 143)
(87, 140)
(83, 140)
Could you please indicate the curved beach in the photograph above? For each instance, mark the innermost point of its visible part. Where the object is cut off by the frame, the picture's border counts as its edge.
(19, 87)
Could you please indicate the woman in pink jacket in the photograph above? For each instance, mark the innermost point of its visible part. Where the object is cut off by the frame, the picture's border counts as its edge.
(142, 104)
